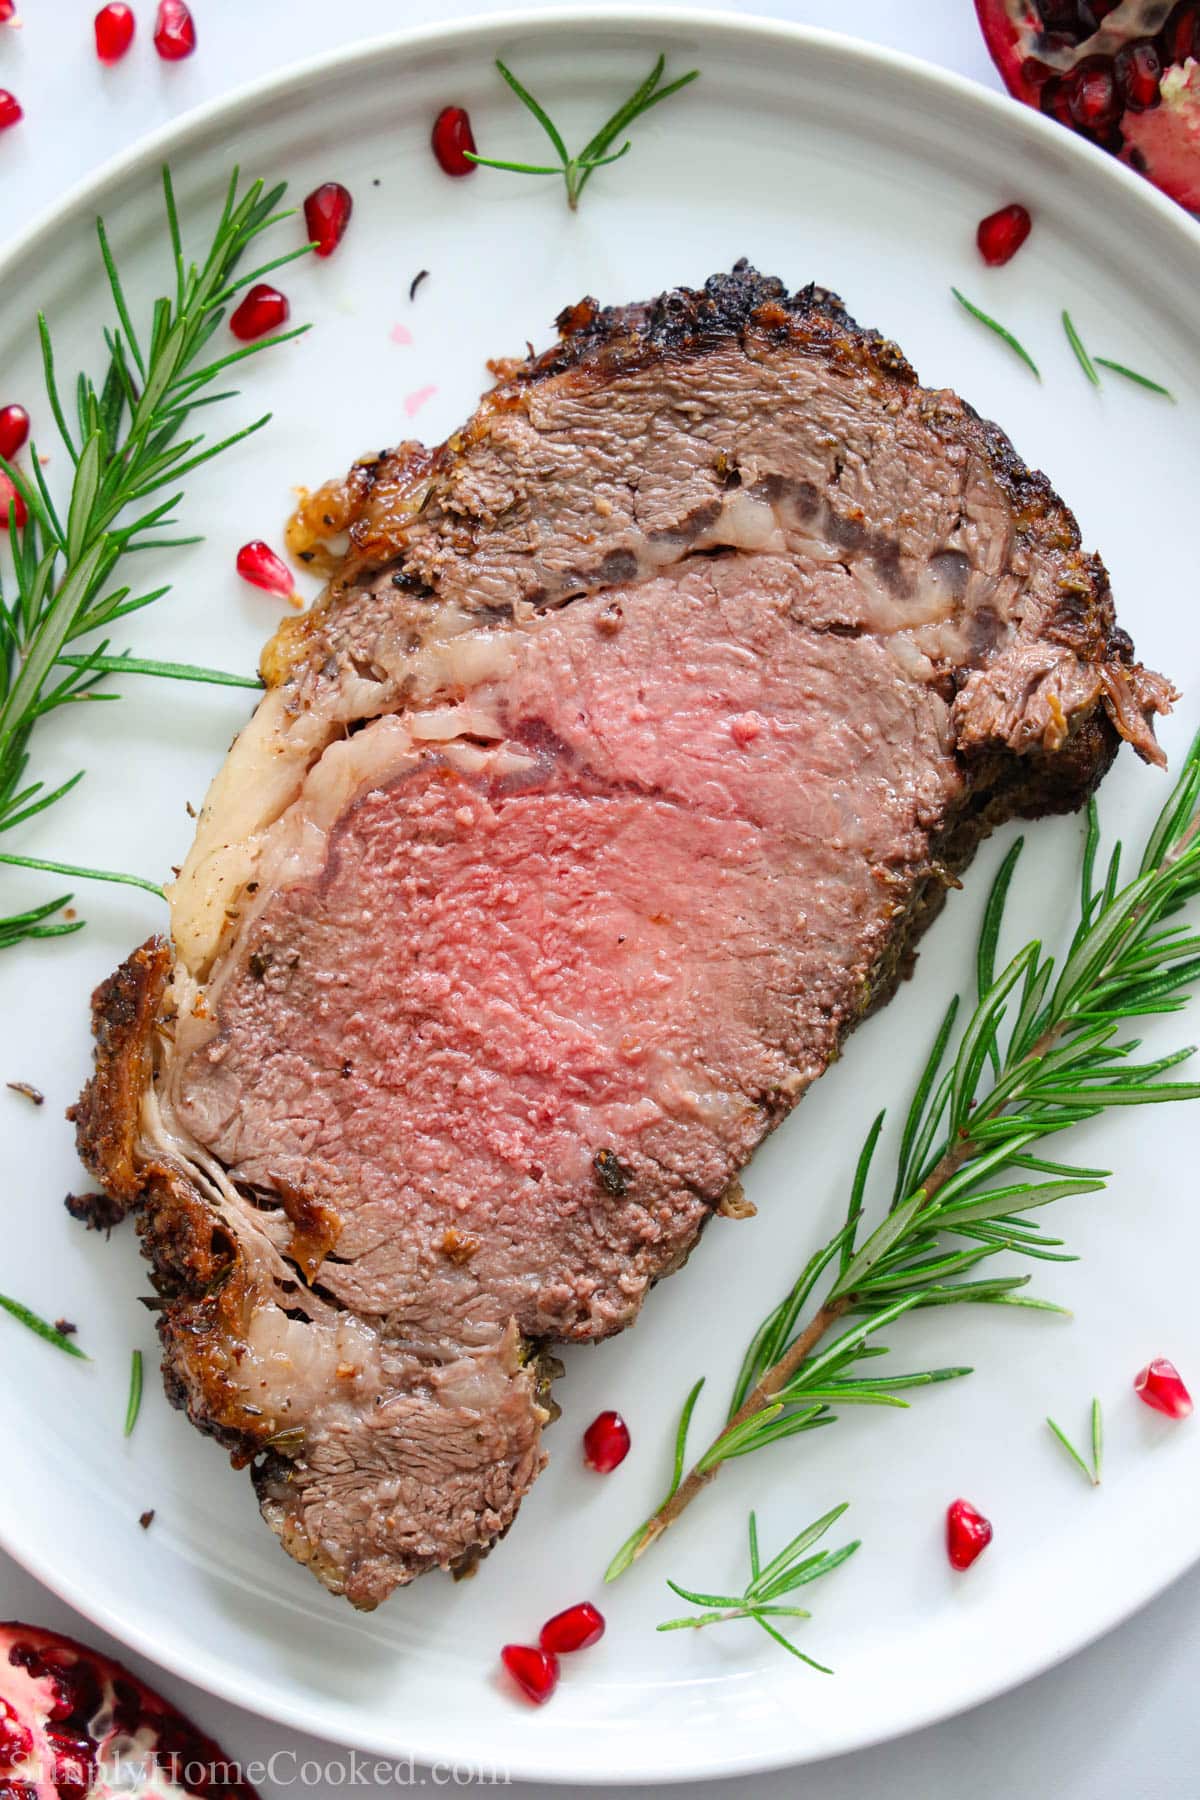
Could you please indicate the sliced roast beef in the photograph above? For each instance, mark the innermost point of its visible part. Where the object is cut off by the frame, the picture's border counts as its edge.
(631, 746)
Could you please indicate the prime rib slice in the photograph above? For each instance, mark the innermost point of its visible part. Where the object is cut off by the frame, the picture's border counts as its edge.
(631, 746)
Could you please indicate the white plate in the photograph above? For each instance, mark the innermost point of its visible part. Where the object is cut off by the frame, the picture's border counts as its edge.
(817, 158)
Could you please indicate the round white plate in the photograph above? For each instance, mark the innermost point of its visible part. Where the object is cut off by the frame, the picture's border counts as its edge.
(818, 159)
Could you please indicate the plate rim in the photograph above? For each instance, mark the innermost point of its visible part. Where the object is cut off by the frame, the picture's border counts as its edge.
(174, 138)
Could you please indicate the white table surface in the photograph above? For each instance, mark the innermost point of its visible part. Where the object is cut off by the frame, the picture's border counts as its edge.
(1119, 1721)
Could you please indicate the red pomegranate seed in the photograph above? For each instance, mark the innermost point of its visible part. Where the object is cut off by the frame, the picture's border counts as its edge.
(11, 110)
(8, 492)
(14, 429)
(968, 1534)
(114, 32)
(606, 1442)
(1138, 69)
(264, 309)
(1002, 233)
(326, 215)
(8, 11)
(1092, 97)
(1160, 1385)
(174, 31)
(452, 135)
(258, 564)
(578, 1628)
(534, 1671)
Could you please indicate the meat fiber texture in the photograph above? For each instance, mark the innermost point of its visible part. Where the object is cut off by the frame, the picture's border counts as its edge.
(609, 784)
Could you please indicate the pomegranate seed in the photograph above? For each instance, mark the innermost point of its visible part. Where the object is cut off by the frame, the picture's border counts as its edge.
(452, 135)
(174, 31)
(8, 11)
(1092, 97)
(606, 1442)
(1160, 1385)
(534, 1671)
(258, 564)
(1002, 233)
(114, 32)
(263, 310)
(968, 1534)
(326, 215)
(11, 110)
(14, 429)
(1138, 70)
(9, 493)
(578, 1628)
(1181, 34)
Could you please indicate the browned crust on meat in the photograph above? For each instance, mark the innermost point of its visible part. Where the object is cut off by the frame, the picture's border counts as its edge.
(199, 1275)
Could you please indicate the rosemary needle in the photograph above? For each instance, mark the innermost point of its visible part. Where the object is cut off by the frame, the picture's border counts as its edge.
(40, 1328)
(134, 1404)
(1144, 381)
(1077, 344)
(1001, 331)
(1093, 1473)
(577, 170)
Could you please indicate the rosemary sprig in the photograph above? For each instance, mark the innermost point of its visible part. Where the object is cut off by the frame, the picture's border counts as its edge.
(125, 443)
(790, 1570)
(41, 1329)
(1093, 1472)
(1040, 1052)
(576, 170)
(134, 1405)
(1155, 387)
(1077, 344)
(1001, 331)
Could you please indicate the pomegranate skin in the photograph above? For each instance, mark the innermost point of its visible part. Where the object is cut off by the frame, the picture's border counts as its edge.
(451, 136)
(1124, 77)
(968, 1534)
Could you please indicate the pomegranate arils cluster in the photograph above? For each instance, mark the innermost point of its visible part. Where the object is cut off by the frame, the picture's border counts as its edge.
(451, 138)
(1002, 233)
(606, 1442)
(174, 31)
(115, 26)
(1126, 76)
(326, 215)
(968, 1534)
(1161, 1386)
(535, 1667)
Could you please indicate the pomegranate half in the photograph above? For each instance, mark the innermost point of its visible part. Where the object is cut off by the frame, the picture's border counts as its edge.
(74, 1725)
(1123, 73)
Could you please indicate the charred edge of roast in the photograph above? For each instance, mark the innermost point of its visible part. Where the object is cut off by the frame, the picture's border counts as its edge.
(598, 344)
